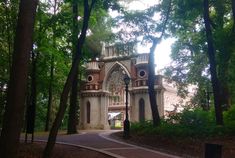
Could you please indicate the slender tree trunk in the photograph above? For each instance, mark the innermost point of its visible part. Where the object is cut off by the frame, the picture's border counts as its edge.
(224, 56)
(68, 83)
(2, 102)
(73, 120)
(31, 109)
(50, 90)
(16, 94)
(151, 83)
(213, 71)
(233, 10)
(151, 74)
(49, 104)
(9, 39)
(232, 39)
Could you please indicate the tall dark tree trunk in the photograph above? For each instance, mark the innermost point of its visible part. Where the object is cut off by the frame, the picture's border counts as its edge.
(151, 83)
(73, 120)
(233, 10)
(49, 103)
(212, 63)
(31, 109)
(50, 90)
(224, 56)
(16, 94)
(151, 69)
(9, 38)
(2, 102)
(68, 83)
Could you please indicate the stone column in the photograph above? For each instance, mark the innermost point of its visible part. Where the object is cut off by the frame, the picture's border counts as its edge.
(104, 112)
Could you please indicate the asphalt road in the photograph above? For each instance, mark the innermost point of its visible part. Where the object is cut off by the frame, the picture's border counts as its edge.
(101, 141)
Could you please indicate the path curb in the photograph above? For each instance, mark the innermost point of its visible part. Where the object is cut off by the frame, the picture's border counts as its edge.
(85, 147)
(106, 135)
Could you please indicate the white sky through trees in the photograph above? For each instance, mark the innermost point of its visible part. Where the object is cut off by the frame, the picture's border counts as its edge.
(163, 50)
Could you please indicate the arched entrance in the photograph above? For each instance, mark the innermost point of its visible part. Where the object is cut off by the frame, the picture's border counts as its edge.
(104, 88)
(116, 99)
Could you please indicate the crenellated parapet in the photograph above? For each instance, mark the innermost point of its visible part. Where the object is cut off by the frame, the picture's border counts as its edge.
(92, 66)
(142, 59)
(117, 51)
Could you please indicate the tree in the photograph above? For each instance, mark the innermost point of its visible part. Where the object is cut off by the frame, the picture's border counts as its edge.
(191, 62)
(151, 67)
(151, 31)
(8, 12)
(52, 66)
(18, 80)
(32, 96)
(50, 95)
(100, 30)
(211, 56)
(73, 120)
(233, 10)
(64, 96)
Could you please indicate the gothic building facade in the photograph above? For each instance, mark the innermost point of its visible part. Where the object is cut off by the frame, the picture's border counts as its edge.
(103, 92)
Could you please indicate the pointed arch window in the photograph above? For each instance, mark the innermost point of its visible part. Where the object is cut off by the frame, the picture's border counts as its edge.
(88, 112)
(115, 86)
(141, 110)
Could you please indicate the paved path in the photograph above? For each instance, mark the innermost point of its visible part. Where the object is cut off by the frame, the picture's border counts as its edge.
(100, 141)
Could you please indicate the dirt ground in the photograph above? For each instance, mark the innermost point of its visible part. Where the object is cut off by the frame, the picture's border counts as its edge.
(35, 150)
(182, 147)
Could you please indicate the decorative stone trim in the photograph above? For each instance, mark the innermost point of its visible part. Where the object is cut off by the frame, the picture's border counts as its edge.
(144, 89)
(92, 93)
(91, 87)
(92, 71)
(140, 83)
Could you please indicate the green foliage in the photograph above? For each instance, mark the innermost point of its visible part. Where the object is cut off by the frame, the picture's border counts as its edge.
(195, 123)
(8, 18)
(229, 120)
(190, 62)
(40, 114)
(53, 40)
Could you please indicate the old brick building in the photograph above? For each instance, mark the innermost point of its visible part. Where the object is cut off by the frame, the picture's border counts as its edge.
(103, 92)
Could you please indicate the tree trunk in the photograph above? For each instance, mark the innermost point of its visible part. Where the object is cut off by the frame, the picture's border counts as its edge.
(224, 56)
(68, 83)
(151, 68)
(73, 120)
(9, 35)
(2, 102)
(50, 90)
(31, 109)
(18, 80)
(49, 104)
(212, 63)
(233, 10)
(151, 83)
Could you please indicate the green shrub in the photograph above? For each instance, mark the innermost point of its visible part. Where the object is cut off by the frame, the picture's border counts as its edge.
(142, 127)
(189, 123)
(229, 121)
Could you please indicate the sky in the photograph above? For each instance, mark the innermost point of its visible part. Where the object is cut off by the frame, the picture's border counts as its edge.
(162, 53)
(163, 50)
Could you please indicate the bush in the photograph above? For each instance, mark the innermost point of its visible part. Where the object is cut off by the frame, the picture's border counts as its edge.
(142, 127)
(229, 120)
(189, 123)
